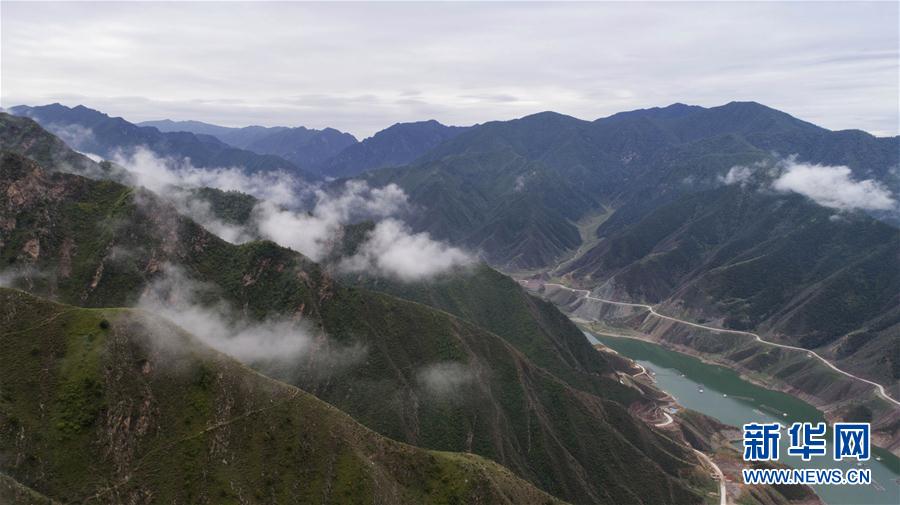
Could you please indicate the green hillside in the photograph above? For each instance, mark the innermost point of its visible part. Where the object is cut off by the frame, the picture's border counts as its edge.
(497, 303)
(100, 244)
(114, 405)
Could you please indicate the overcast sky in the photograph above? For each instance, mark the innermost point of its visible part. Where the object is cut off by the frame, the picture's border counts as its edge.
(363, 67)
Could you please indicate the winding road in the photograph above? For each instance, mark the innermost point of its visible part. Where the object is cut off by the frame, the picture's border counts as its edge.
(587, 294)
(723, 495)
(667, 422)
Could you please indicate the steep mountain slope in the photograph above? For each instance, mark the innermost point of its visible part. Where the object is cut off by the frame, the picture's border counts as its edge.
(648, 191)
(496, 302)
(130, 408)
(514, 189)
(782, 265)
(397, 145)
(423, 376)
(497, 203)
(304, 147)
(88, 130)
(23, 136)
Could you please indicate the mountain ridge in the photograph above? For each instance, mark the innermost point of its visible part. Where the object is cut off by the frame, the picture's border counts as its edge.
(92, 131)
(504, 411)
(204, 419)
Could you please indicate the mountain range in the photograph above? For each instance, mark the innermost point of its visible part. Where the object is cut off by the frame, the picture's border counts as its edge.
(327, 152)
(90, 131)
(100, 244)
(303, 147)
(707, 213)
(639, 206)
(307, 153)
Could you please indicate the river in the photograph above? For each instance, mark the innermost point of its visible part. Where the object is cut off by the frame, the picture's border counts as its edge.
(734, 401)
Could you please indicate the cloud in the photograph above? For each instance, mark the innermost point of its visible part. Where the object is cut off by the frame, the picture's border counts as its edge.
(833, 186)
(315, 233)
(392, 250)
(173, 179)
(445, 380)
(174, 60)
(74, 135)
(275, 343)
(161, 174)
(93, 157)
(201, 212)
(520, 184)
(738, 174)
(22, 277)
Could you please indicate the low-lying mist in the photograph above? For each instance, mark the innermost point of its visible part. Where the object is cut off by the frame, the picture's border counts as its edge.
(276, 344)
(303, 217)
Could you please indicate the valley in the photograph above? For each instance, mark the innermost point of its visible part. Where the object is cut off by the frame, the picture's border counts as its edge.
(449, 253)
(733, 401)
(797, 371)
(587, 295)
(444, 352)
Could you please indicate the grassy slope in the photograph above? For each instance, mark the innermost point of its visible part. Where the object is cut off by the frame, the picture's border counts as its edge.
(535, 327)
(100, 244)
(113, 405)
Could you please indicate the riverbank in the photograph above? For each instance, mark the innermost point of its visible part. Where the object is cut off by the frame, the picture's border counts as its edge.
(713, 400)
(790, 371)
(710, 440)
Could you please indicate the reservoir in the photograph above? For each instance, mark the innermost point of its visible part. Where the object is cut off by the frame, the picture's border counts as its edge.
(734, 401)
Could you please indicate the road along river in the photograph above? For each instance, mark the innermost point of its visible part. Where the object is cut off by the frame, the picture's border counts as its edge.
(587, 294)
(734, 401)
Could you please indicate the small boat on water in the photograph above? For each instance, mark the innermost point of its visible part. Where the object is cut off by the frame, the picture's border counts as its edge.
(724, 395)
(699, 389)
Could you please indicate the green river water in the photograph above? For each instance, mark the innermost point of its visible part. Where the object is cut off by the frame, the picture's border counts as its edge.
(734, 401)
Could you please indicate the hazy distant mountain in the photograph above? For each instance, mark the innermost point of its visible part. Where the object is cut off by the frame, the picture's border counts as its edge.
(167, 125)
(327, 152)
(305, 147)
(91, 131)
(397, 145)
